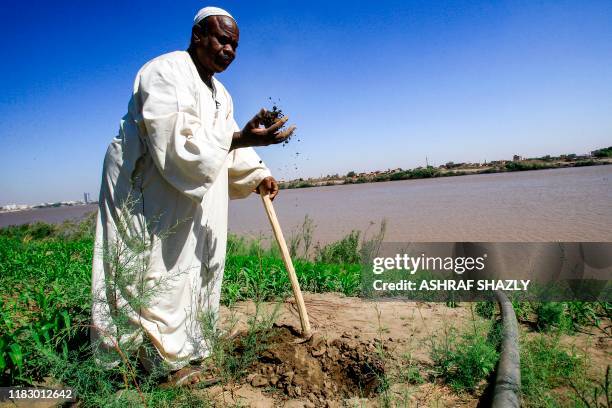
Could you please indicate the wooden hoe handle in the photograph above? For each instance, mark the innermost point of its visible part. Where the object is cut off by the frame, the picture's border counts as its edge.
(295, 285)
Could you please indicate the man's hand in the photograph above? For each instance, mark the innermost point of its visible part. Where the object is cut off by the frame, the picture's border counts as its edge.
(254, 135)
(269, 186)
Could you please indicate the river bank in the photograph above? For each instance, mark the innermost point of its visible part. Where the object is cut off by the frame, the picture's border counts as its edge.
(448, 170)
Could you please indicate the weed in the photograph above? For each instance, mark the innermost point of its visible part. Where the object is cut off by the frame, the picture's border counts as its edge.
(485, 309)
(303, 239)
(410, 372)
(345, 251)
(523, 310)
(545, 366)
(598, 395)
(464, 359)
(550, 315)
(232, 357)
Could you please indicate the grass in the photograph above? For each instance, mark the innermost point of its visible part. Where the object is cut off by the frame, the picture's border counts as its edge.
(597, 395)
(565, 317)
(463, 359)
(247, 277)
(552, 375)
(546, 367)
(45, 286)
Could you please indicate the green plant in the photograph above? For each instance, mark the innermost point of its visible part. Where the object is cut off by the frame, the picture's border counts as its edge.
(588, 314)
(598, 395)
(344, 251)
(485, 309)
(545, 366)
(464, 359)
(604, 152)
(552, 315)
(522, 309)
(302, 238)
(382, 177)
(409, 371)
(231, 357)
(520, 166)
(427, 172)
(44, 295)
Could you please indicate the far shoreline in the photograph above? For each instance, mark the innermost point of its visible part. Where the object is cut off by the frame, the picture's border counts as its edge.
(439, 172)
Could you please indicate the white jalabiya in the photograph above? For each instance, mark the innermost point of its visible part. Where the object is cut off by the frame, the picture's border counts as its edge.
(171, 167)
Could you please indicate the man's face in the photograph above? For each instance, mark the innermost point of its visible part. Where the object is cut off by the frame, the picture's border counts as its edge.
(217, 46)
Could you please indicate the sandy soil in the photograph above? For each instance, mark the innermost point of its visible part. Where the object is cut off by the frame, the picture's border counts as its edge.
(400, 328)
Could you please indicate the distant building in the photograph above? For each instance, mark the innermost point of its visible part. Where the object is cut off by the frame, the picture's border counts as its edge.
(497, 163)
(516, 158)
(86, 198)
(15, 207)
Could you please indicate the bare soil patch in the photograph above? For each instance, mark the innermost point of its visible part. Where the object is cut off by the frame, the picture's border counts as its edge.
(340, 365)
(355, 344)
(319, 369)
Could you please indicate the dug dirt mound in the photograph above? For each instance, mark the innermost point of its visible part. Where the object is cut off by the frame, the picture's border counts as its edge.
(318, 368)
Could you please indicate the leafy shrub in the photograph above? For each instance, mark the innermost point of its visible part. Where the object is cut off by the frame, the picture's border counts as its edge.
(551, 315)
(382, 177)
(485, 309)
(605, 152)
(345, 251)
(400, 175)
(586, 313)
(38, 230)
(424, 172)
(583, 163)
(518, 166)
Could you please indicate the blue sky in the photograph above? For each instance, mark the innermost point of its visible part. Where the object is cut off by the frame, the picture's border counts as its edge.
(371, 85)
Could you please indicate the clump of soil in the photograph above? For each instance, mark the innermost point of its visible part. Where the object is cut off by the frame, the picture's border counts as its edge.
(318, 369)
(272, 115)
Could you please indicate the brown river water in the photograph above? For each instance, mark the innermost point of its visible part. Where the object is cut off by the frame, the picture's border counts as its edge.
(573, 204)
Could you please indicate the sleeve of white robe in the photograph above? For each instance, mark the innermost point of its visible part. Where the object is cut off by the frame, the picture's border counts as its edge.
(245, 172)
(187, 154)
(246, 169)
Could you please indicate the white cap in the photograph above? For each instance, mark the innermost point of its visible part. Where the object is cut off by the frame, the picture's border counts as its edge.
(210, 11)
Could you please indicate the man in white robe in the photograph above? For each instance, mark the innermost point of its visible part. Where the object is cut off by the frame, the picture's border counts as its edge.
(167, 177)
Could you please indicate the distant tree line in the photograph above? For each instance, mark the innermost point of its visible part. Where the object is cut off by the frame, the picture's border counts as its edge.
(535, 163)
(605, 152)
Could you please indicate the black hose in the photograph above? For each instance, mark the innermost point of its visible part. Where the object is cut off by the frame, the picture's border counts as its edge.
(508, 378)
